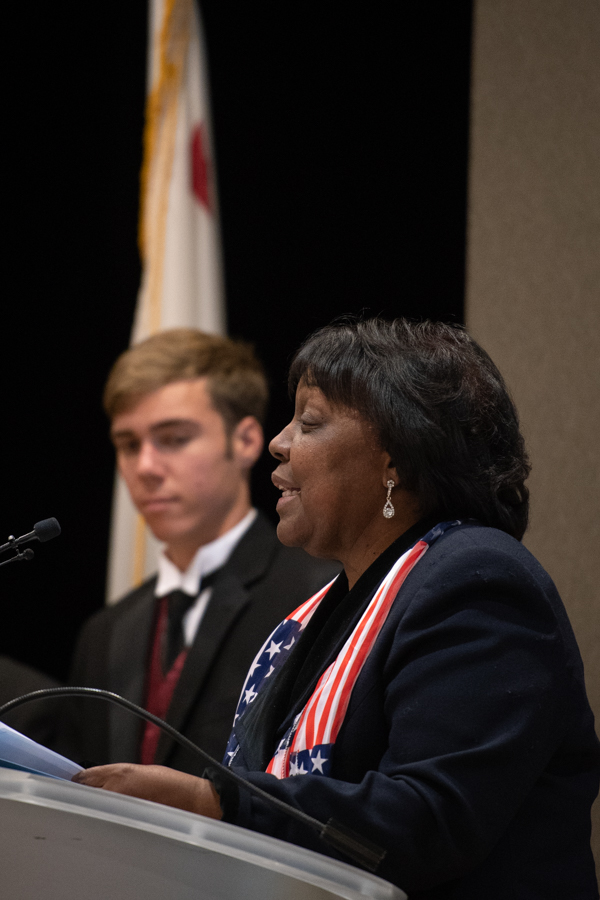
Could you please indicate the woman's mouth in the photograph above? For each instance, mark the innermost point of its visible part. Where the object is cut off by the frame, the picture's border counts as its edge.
(287, 496)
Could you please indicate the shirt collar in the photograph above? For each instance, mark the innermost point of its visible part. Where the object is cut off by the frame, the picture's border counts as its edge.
(206, 560)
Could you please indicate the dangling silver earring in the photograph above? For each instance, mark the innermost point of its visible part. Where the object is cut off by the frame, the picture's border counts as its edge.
(388, 509)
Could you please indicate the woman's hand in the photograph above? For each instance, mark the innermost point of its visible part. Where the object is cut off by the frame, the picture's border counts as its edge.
(157, 783)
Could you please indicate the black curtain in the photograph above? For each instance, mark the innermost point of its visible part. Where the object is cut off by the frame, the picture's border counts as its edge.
(341, 141)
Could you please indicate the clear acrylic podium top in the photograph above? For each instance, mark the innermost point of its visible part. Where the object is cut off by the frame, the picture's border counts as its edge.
(63, 841)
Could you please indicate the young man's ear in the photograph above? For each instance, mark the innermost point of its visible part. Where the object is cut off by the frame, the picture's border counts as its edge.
(247, 441)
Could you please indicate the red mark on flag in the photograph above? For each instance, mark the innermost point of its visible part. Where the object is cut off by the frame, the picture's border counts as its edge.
(200, 167)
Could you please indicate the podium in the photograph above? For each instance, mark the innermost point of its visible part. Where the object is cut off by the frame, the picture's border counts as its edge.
(64, 841)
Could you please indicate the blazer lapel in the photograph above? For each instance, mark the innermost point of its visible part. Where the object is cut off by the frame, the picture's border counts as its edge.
(127, 663)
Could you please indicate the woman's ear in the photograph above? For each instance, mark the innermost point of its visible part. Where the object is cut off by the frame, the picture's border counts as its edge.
(389, 472)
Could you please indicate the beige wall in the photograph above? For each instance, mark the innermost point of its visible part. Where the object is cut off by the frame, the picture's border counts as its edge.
(533, 272)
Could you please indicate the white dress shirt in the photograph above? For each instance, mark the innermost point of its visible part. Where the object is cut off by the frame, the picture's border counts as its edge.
(207, 559)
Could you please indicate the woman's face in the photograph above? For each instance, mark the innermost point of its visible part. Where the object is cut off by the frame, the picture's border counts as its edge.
(332, 474)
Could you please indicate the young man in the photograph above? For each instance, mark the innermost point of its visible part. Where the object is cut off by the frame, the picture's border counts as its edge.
(186, 411)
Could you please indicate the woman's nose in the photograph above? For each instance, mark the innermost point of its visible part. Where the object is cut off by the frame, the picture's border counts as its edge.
(280, 445)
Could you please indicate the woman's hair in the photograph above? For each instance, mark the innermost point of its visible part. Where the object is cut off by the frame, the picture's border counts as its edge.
(439, 407)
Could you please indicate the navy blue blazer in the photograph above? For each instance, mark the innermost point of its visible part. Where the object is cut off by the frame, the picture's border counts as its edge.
(468, 750)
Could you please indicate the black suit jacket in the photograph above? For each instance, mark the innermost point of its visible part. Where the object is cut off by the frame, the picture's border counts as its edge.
(261, 583)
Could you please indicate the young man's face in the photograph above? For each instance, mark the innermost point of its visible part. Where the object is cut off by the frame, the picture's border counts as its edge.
(186, 475)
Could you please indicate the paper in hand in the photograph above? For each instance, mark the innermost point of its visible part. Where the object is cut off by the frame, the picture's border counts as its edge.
(20, 752)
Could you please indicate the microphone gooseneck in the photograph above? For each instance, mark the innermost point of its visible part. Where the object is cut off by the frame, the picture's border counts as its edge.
(359, 849)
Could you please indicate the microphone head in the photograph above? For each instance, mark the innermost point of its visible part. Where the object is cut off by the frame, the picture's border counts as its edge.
(46, 529)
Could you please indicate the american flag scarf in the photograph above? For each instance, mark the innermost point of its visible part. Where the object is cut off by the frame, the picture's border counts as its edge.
(307, 746)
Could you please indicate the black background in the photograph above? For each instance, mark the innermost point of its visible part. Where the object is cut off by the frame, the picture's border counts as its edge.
(341, 141)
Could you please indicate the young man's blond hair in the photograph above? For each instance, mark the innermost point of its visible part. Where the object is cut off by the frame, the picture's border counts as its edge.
(236, 379)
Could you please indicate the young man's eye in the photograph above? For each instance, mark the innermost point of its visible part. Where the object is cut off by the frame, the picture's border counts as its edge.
(127, 448)
(171, 441)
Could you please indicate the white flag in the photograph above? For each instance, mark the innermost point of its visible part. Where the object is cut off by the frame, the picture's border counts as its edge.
(182, 281)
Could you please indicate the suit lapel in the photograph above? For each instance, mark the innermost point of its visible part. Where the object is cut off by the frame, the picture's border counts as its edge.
(127, 663)
(231, 594)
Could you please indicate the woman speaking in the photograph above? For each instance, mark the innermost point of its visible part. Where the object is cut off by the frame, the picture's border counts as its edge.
(432, 697)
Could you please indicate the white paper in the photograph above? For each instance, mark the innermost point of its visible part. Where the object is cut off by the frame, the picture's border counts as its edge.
(18, 751)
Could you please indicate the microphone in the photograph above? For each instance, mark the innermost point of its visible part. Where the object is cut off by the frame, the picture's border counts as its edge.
(356, 847)
(42, 531)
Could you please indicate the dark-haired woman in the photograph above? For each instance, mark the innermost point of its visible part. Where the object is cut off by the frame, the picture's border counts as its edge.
(432, 698)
